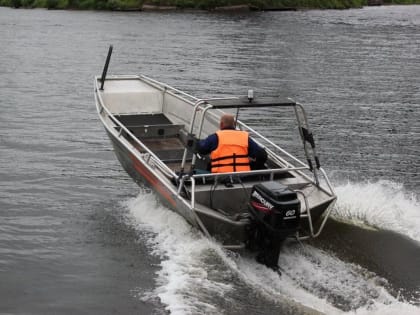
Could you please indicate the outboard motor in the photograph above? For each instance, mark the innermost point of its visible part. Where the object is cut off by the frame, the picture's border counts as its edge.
(275, 212)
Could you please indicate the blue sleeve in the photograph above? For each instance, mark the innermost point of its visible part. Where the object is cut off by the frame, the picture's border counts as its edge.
(207, 145)
(253, 148)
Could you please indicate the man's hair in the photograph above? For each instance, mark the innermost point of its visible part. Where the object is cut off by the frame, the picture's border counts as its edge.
(227, 121)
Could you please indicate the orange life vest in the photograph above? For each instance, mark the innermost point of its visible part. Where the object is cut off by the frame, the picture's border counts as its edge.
(231, 154)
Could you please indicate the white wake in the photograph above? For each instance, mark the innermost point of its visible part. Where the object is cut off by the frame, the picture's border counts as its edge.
(195, 273)
(383, 205)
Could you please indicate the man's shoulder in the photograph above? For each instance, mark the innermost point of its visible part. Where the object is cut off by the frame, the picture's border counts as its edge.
(208, 144)
(213, 136)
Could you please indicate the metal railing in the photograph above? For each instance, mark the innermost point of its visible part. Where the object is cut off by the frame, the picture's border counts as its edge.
(302, 121)
(169, 89)
(216, 176)
(192, 178)
(205, 106)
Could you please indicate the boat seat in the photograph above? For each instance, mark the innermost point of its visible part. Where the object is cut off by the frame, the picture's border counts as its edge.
(150, 125)
(143, 119)
(156, 131)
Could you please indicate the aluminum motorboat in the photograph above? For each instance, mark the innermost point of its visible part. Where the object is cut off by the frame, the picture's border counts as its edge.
(153, 128)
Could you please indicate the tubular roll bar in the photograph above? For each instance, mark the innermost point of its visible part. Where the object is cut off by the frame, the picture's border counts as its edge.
(234, 102)
(306, 136)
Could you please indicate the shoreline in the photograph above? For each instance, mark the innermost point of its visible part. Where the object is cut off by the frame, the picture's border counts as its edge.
(203, 6)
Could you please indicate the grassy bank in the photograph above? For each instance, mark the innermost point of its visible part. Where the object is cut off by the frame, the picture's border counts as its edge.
(193, 4)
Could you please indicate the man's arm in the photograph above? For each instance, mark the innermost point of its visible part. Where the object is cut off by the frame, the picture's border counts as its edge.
(257, 153)
(254, 149)
(207, 145)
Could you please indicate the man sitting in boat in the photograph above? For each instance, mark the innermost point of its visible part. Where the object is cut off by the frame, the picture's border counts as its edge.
(231, 150)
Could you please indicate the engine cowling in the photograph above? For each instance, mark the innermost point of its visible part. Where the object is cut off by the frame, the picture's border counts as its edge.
(276, 208)
(275, 212)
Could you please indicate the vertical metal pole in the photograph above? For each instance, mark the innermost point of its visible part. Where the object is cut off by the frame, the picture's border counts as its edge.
(305, 148)
(194, 113)
(237, 115)
(108, 58)
(200, 128)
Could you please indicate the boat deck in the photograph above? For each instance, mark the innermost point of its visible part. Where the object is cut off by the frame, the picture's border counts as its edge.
(160, 135)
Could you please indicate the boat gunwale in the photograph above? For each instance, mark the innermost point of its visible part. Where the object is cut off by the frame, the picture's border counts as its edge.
(166, 170)
(160, 169)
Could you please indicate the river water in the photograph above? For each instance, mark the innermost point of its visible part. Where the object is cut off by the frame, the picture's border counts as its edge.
(77, 236)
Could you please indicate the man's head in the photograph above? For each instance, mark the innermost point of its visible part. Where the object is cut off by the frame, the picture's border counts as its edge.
(227, 121)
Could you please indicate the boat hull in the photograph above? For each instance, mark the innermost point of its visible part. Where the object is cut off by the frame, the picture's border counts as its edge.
(141, 173)
(144, 120)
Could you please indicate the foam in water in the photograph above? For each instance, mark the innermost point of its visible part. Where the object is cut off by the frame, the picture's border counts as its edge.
(196, 273)
(181, 249)
(383, 204)
(322, 282)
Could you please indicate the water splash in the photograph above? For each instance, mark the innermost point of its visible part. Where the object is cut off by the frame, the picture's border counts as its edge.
(197, 276)
(183, 278)
(383, 205)
(322, 282)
